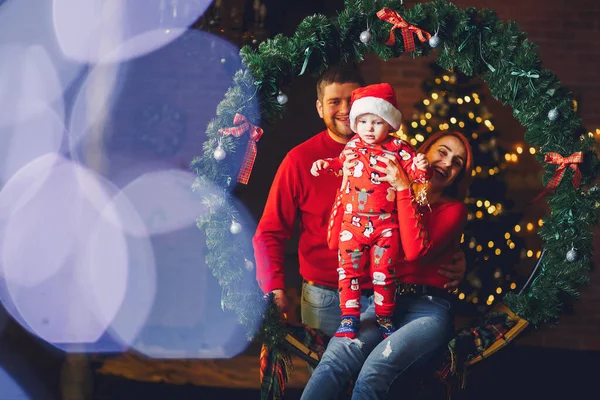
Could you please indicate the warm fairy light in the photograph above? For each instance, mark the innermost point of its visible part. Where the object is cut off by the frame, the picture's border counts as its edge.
(475, 95)
(486, 203)
(477, 101)
(428, 115)
(491, 128)
(532, 150)
(446, 78)
(490, 244)
(498, 290)
(498, 252)
(413, 142)
(479, 214)
(519, 149)
(453, 120)
(513, 286)
(511, 245)
(426, 102)
(471, 115)
(529, 253)
(487, 123)
(461, 296)
(459, 100)
(414, 124)
(467, 99)
(474, 135)
(538, 254)
(529, 226)
(428, 129)
(478, 169)
(462, 238)
(461, 124)
(438, 80)
(507, 236)
(479, 203)
(423, 122)
(475, 300)
(479, 247)
(419, 137)
(514, 158)
(434, 96)
(507, 157)
(491, 209)
(491, 171)
(473, 173)
(478, 119)
(517, 228)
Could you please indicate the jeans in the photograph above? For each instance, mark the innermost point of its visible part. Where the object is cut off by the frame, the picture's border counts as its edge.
(425, 325)
(320, 308)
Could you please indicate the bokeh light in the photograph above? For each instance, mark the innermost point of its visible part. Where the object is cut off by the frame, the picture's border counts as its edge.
(98, 31)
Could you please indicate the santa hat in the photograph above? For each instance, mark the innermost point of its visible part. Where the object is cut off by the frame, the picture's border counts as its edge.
(378, 99)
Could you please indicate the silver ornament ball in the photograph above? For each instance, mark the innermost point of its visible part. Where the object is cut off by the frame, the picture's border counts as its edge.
(235, 227)
(219, 154)
(434, 41)
(553, 114)
(571, 255)
(366, 36)
(282, 98)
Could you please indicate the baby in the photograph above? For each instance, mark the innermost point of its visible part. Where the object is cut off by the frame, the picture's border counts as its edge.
(369, 232)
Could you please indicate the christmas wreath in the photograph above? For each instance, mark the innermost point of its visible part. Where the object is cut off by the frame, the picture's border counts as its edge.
(474, 42)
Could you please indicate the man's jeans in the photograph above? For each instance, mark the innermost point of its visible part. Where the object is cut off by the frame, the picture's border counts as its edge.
(425, 325)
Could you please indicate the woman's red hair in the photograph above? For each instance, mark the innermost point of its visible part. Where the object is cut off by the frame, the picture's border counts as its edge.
(459, 187)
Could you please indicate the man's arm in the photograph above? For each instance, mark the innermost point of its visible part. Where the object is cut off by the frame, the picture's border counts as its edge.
(274, 228)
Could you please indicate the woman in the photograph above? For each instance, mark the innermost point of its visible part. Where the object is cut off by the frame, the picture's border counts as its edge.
(430, 236)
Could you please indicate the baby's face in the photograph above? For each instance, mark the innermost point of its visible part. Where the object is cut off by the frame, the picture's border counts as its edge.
(372, 129)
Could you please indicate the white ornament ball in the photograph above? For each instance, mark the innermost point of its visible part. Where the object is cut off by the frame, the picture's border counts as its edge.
(366, 36)
(249, 265)
(571, 255)
(219, 154)
(282, 98)
(553, 114)
(434, 41)
(235, 227)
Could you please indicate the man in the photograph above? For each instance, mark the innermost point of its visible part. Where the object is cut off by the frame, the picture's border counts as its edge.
(296, 193)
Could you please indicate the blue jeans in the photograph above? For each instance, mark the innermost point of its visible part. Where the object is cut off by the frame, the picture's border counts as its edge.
(425, 325)
(320, 308)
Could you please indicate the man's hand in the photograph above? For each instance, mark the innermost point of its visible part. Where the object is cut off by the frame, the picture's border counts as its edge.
(318, 166)
(455, 271)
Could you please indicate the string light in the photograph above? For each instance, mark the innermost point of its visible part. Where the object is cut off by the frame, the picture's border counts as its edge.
(513, 286)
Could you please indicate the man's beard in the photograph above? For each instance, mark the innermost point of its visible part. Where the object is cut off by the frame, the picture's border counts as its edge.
(345, 132)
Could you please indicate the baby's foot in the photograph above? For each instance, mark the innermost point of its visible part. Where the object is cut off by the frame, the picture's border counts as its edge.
(348, 327)
(386, 327)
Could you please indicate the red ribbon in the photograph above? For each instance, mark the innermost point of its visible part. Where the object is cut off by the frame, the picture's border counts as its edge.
(241, 125)
(391, 16)
(563, 163)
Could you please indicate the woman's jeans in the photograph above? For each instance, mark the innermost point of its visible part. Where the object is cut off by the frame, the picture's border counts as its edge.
(425, 325)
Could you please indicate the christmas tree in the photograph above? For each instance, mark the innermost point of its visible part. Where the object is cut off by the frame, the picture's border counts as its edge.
(493, 240)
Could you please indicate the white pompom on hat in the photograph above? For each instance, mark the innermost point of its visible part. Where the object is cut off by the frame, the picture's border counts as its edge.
(378, 99)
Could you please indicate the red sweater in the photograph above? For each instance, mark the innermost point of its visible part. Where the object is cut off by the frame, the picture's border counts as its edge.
(295, 192)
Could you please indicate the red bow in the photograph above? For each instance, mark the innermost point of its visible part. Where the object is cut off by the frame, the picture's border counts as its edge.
(563, 163)
(242, 125)
(391, 16)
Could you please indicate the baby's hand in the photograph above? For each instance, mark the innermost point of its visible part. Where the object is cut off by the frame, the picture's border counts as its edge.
(318, 166)
(421, 162)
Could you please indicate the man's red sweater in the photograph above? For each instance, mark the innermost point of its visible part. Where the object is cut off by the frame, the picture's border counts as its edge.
(295, 192)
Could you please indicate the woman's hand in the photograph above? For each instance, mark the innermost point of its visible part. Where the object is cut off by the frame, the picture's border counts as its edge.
(455, 271)
(394, 173)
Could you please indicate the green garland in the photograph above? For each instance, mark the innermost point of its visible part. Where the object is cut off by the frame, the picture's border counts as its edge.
(472, 41)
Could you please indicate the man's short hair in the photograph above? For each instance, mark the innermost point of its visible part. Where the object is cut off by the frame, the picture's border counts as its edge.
(346, 73)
